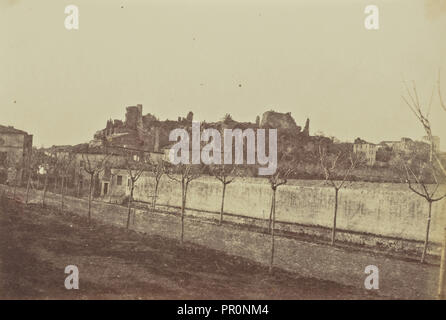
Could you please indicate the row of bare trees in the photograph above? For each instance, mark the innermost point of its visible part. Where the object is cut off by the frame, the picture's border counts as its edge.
(184, 174)
(57, 166)
(336, 166)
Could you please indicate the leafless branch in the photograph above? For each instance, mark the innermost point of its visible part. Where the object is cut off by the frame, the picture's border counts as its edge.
(442, 104)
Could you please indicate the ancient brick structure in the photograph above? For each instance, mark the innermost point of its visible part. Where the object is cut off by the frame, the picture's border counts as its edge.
(146, 132)
(277, 120)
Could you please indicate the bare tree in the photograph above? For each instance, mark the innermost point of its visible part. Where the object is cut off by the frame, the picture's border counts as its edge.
(46, 165)
(279, 178)
(337, 168)
(56, 174)
(56, 168)
(13, 164)
(158, 169)
(112, 175)
(93, 167)
(442, 104)
(422, 180)
(412, 100)
(31, 165)
(45, 168)
(226, 175)
(415, 177)
(442, 277)
(78, 184)
(186, 174)
(66, 162)
(135, 166)
(51, 164)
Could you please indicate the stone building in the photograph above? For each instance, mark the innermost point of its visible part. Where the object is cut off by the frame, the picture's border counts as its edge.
(113, 182)
(367, 150)
(434, 143)
(407, 146)
(404, 145)
(138, 131)
(108, 182)
(15, 146)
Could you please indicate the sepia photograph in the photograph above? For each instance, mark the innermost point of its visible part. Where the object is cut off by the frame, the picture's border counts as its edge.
(201, 151)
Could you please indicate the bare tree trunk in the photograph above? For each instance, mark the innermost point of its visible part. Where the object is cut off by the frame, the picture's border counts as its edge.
(183, 207)
(62, 194)
(27, 187)
(333, 232)
(89, 198)
(134, 216)
(270, 213)
(3, 198)
(222, 203)
(155, 195)
(15, 188)
(130, 205)
(426, 241)
(128, 213)
(93, 190)
(44, 190)
(111, 190)
(273, 210)
(55, 185)
(61, 184)
(442, 277)
(78, 185)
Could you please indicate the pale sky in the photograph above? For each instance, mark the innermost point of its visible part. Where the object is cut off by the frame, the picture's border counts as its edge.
(313, 58)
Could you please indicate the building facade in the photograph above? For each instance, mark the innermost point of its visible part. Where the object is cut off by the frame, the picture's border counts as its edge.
(367, 150)
(15, 146)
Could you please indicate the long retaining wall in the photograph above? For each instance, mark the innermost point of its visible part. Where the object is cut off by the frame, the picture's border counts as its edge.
(398, 278)
(383, 209)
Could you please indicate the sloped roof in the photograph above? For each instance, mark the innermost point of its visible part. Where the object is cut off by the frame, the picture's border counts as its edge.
(9, 129)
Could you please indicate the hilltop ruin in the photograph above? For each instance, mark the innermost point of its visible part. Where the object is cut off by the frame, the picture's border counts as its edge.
(148, 133)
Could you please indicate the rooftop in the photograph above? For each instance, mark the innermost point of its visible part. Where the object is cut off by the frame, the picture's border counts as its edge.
(10, 129)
